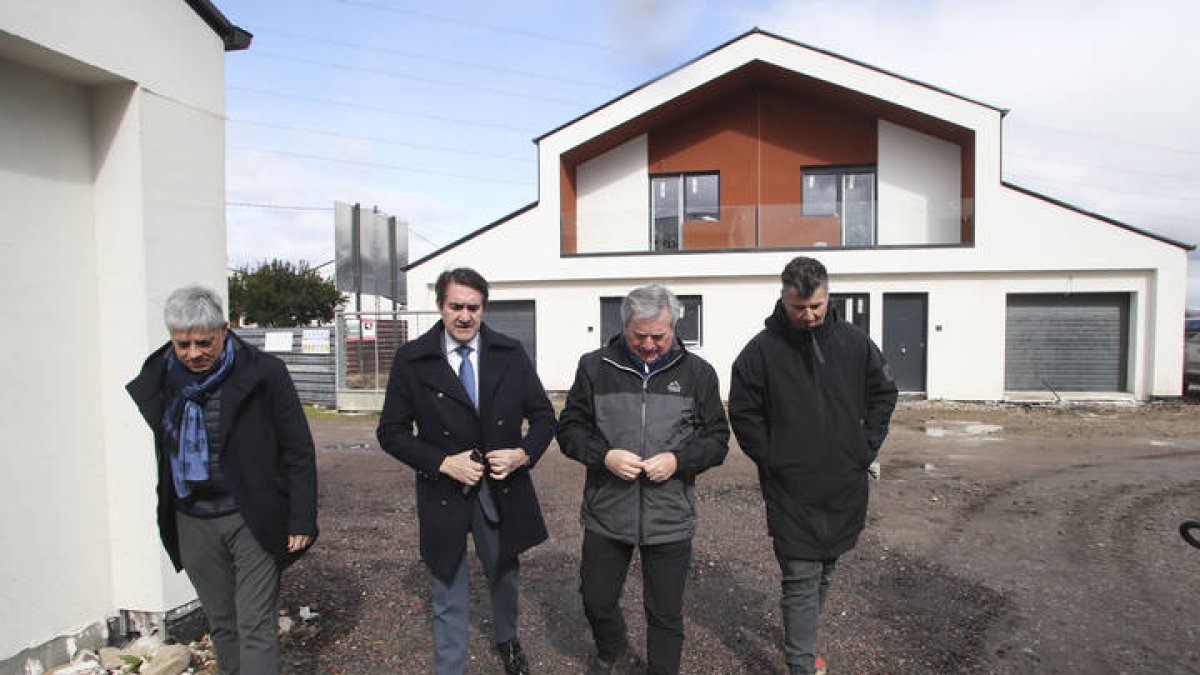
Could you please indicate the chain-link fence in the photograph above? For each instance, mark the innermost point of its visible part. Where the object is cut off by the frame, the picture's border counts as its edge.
(366, 343)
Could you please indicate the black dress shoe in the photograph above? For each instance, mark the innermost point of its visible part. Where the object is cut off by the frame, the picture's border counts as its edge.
(513, 658)
(598, 666)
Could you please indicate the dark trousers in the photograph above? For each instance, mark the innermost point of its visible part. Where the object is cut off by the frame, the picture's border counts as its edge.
(238, 584)
(602, 579)
(805, 583)
(451, 599)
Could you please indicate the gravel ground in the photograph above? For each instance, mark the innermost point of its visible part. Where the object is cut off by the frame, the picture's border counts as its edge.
(1000, 540)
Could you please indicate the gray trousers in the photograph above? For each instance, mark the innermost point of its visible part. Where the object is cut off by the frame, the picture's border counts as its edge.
(451, 601)
(238, 584)
(805, 585)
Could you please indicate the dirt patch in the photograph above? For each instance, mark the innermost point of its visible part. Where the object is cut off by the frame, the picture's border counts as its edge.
(1000, 540)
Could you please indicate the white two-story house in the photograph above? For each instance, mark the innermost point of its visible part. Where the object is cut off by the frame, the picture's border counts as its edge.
(710, 178)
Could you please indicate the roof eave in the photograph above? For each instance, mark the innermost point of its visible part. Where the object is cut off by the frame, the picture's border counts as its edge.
(234, 37)
(758, 31)
(1097, 216)
(469, 236)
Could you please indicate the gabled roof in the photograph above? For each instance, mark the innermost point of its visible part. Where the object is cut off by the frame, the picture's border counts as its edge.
(1097, 216)
(743, 36)
(758, 68)
(469, 236)
(235, 38)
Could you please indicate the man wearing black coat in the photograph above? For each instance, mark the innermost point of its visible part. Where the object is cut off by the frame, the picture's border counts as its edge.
(467, 389)
(810, 402)
(237, 475)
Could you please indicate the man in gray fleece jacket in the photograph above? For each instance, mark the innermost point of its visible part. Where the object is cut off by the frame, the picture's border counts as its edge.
(645, 416)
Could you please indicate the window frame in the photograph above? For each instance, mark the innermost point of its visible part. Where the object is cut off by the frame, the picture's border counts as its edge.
(683, 214)
(842, 172)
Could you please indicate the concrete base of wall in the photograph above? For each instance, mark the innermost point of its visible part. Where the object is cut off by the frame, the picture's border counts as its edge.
(1080, 398)
(359, 400)
(58, 651)
(184, 624)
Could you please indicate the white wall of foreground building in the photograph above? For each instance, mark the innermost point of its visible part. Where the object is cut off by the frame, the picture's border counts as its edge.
(111, 194)
(966, 320)
(1024, 245)
(967, 289)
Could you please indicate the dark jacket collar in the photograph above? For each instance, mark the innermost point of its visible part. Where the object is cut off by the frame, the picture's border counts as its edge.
(617, 350)
(147, 388)
(430, 344)
(779, 324)
(807, 341)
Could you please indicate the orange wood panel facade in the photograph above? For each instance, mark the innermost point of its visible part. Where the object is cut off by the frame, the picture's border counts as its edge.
(759, 137)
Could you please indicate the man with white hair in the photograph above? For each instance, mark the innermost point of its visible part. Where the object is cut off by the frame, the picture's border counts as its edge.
(237, 476)
(644, 415)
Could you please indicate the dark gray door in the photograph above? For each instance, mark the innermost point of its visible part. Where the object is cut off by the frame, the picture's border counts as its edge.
(516, 319)
(1076, 342)
(904, 334)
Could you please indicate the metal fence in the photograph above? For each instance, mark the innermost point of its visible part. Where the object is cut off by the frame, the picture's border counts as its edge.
(365, 344)
(310, 354)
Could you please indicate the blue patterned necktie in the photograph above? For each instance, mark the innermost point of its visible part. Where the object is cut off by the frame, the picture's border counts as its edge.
(466, 375)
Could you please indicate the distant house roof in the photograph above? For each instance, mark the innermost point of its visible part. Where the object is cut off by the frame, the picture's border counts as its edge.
(235, 38)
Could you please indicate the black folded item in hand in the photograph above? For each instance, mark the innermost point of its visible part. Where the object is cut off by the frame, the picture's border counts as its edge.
(478, 458)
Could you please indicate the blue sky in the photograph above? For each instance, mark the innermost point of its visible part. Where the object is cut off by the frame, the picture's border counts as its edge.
(428, 111)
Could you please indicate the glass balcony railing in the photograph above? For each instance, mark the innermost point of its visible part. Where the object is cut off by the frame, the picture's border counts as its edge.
(895, 223)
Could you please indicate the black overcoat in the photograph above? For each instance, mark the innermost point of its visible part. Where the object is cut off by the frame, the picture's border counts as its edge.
(268, 455)
(424, 392)
(812, 409)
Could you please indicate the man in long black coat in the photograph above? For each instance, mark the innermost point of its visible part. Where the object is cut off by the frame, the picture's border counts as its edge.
(467, 389)
(810, 402)
(237, 475)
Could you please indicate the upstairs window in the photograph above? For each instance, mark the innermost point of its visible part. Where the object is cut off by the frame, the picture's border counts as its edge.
(679, 198)
(844, 193)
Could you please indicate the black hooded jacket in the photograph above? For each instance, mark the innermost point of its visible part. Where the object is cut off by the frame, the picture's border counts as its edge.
(811, 408)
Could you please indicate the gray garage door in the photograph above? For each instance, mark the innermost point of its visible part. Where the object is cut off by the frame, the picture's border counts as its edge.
(516, 319)
(1076, 342)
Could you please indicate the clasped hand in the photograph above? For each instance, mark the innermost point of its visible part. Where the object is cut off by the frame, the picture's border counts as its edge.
(627, 466)
(500, 464)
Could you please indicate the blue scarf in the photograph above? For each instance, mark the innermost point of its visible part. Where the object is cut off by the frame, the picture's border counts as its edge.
(183, 417)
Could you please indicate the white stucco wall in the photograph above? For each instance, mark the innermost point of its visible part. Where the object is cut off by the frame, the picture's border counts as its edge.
(111, 192)
(920, 195)
(53, 470)
(613, 200)
(967, 291)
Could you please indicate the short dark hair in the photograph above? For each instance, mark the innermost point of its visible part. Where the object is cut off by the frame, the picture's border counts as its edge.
(463, 276)
(805, 275)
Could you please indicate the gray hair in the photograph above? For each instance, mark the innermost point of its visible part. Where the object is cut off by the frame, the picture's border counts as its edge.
(193, 308)
(648, 302)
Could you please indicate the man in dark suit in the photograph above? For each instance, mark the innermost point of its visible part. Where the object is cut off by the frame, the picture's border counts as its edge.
(468, 389)
(237, 475)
